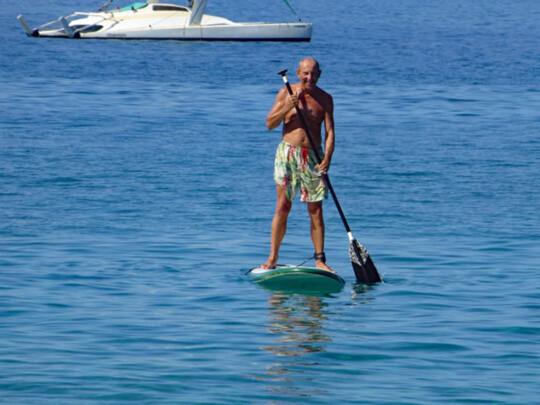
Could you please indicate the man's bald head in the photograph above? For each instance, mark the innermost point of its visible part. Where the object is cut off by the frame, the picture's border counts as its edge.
(309, 62)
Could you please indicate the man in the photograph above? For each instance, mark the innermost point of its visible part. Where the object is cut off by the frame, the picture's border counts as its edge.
(296, 167)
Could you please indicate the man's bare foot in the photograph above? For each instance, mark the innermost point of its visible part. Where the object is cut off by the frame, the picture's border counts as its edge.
(270, 263)
(321, 265)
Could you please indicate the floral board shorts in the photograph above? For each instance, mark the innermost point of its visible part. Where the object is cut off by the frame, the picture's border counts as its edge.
(294, 169)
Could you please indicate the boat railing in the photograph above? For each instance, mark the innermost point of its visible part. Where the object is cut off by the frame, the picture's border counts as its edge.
(63, 22)
(57, 21)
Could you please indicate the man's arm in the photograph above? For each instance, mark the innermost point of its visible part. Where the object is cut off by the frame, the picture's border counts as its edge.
(329, 136)
(282, 106)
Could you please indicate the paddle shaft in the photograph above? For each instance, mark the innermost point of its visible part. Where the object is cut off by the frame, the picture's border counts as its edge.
(317, 156)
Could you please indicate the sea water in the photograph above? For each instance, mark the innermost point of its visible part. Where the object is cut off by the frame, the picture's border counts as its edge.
(136, 190)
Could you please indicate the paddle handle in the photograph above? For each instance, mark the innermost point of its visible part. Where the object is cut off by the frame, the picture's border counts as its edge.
(283, 74)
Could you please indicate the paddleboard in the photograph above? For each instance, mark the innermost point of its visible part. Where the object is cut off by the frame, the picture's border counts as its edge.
(290, 278)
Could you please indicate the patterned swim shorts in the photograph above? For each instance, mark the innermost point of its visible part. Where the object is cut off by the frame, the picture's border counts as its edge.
(294, 169)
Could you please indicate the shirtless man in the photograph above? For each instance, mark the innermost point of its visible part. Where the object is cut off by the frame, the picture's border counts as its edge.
(296, 167)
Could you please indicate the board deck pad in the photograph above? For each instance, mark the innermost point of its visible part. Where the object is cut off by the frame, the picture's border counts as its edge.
(290, 278)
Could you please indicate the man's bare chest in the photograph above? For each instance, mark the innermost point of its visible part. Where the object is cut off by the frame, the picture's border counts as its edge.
(312, 109)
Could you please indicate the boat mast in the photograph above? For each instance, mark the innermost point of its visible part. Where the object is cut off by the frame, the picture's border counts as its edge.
(197, 11)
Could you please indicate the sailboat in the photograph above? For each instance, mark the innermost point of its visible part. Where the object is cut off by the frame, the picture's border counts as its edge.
(155, 20)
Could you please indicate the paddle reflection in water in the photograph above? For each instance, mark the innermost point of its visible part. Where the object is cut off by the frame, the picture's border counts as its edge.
(298, 320)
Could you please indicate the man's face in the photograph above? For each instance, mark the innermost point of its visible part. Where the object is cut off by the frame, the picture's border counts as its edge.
(308, 72)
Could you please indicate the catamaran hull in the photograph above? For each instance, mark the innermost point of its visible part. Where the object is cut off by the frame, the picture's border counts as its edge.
(251, 32)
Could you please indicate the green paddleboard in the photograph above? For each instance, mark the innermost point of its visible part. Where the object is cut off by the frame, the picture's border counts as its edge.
(289, 278)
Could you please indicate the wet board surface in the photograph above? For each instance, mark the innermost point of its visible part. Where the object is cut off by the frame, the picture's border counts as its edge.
(290, 278)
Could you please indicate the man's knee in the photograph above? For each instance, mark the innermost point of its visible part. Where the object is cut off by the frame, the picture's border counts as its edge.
(283, 206)
(315, 209)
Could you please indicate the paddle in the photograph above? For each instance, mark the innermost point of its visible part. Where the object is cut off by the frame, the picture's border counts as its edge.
(364, 268)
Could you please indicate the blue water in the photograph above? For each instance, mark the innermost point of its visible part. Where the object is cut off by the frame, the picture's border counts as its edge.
(136, 190)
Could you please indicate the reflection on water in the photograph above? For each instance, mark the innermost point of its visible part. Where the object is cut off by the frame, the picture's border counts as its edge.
(298, 319)
(359, 293)
(298, 322)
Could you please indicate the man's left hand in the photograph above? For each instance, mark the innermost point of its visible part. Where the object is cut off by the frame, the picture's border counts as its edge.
(323, 167)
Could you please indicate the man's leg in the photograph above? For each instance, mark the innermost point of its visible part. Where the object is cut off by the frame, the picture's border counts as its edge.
(279, 227)
(317, 231)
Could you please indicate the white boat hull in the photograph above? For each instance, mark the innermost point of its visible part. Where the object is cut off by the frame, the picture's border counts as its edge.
(266, 32)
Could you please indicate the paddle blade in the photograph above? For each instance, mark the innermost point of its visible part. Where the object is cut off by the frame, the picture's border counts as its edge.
(364, 268)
